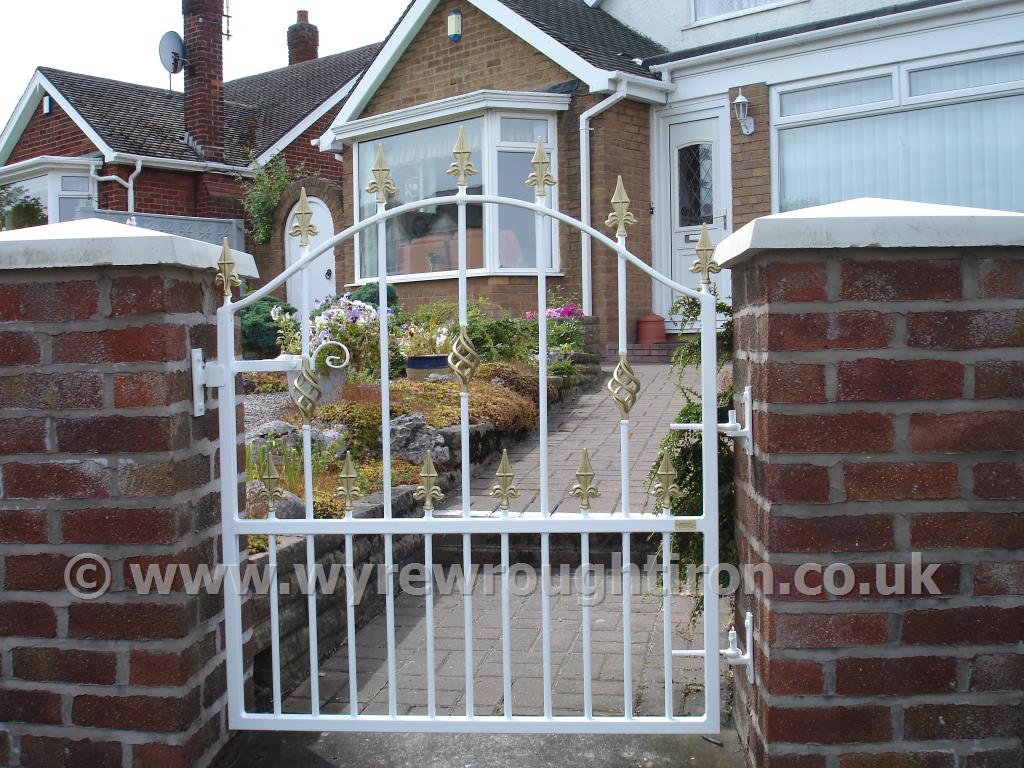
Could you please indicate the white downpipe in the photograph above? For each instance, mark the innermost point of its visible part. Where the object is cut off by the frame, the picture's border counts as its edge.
(585, 118)
(129, 184)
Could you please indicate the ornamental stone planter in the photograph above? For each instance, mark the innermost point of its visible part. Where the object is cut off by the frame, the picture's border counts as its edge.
(332, 381)
(419, 367)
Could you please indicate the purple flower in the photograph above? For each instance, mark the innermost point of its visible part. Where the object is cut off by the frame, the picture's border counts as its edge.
(353, 315)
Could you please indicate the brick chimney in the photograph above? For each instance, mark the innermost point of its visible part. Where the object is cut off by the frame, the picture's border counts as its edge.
(303, 40)
(204, 76)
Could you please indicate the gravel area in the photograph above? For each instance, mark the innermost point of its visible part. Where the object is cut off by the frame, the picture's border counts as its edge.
(260, 409)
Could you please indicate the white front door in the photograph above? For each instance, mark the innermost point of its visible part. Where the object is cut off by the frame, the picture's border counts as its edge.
(698, 194)
(322, 278)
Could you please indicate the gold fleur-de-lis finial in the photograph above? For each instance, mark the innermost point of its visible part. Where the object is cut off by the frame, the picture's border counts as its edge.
(427, 491)
(705, 263)
(304, 228)
(462, 167)
(382, 185)
(541, 177)
(665, 488)
(624, 386)
(306, 391)
(269, 476)
(505, 489)
(226, 278)
(348, 491)
(584, 488)
(620, 215)
(463, 359)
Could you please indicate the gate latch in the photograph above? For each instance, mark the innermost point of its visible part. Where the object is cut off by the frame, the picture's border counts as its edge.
(204, 375)
(731, 428)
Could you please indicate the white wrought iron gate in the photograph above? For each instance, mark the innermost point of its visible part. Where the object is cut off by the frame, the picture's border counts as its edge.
(624, 388)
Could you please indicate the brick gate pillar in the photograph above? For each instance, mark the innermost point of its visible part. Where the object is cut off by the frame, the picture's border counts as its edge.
(100, 454)
(884, 342)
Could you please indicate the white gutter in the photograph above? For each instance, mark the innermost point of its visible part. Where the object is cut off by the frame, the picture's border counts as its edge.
(766, 46)
(601, 106)
(129, 185)
(195, 166)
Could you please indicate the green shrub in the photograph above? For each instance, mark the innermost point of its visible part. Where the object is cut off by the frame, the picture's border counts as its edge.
(263, 193)
(369, 293)
(259, 329)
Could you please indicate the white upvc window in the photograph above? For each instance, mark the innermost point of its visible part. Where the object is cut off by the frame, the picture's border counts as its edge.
(704, 11)
(942, 130)
(423, 245)
(45, 191)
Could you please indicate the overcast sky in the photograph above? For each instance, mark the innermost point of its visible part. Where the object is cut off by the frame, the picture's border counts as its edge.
(119, 38)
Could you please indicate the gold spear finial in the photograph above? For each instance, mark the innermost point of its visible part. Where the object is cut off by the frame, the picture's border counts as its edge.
(382, 185)
(505, 489)
(304, 228)
(705, 263)
(269, 476)
(462, 167)
(665, 488)
(620, 215)
(226, 278)
(427, 491)
(584, 488)
(348, 491)
(541, 177)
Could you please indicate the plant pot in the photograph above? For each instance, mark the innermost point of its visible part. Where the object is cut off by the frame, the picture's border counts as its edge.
(650, 329)
(419, 367)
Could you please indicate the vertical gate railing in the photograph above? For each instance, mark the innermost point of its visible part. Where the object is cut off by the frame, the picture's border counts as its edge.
(624, 388)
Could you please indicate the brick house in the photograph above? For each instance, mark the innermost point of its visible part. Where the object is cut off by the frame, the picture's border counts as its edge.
(841, 99)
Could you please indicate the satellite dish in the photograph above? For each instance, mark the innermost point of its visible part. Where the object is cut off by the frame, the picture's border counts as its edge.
(172, 52)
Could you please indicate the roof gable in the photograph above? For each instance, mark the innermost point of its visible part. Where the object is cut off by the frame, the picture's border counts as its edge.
(581, 39)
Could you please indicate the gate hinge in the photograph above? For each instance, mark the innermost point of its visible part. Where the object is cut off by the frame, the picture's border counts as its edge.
(731, 428)
(732, 653)
(204, 375)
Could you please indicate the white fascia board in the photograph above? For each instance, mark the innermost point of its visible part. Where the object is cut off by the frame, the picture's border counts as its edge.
(597, 80)
(281, 144)
(35, 166)
(167, 163)
(26, 107)
(758, 51)
(441, 111)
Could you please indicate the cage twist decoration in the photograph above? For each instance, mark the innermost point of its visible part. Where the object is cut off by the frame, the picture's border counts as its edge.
(348, 491)
(226, 278)
(382, 185)
(462, 167)
(427, 491)
(624, 386)
(705, 263)
(584, 488)
(306, 391)
(463, 359)
(620, 215)
(304, 228)
(504, 490)
(541, 177)
(665, 488)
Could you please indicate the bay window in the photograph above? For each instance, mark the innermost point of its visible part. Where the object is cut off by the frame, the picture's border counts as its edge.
(44, 191)
(423, 244)
(944, 132)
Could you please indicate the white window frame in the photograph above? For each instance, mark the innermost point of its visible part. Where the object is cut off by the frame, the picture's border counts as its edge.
(693, 21)
(53, 168)
(902, 102)
(486, 162)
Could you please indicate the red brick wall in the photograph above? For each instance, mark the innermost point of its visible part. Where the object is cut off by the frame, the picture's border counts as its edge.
(887, 421)
(751, 159)
(54, 134)
(100, 454)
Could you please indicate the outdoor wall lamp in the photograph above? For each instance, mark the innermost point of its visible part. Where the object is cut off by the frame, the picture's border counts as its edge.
(455, 25)
(742, 106)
